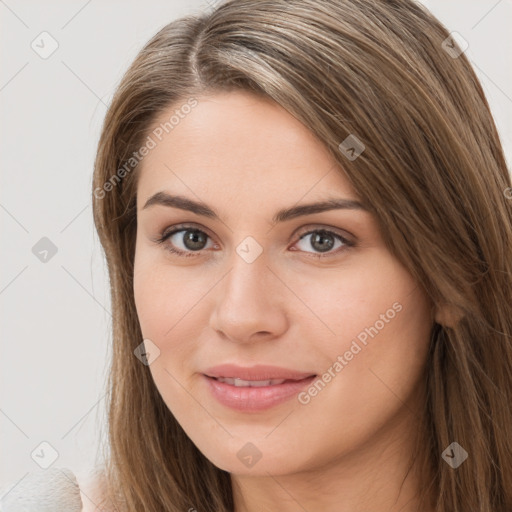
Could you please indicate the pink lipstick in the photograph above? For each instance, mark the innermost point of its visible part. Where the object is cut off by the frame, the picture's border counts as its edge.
(256, 388)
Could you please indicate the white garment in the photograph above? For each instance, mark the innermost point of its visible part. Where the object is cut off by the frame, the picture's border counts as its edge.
(53, 490)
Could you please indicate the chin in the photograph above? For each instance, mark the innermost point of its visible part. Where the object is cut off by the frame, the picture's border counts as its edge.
(244, 458)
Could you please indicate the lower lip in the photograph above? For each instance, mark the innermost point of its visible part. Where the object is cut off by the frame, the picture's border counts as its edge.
(254, 399)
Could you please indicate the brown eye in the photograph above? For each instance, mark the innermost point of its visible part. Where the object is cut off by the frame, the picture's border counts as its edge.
(323, 241)
(190, 241)
(184, 240)
(194, 240)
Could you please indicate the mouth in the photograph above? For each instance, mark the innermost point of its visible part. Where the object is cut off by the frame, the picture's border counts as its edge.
(255, 374)
(241, 383)
(254, 395)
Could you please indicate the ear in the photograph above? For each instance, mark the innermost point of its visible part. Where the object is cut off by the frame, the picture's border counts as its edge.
(448, 315)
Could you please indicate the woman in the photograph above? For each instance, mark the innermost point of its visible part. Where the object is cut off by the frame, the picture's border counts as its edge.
(305, 210)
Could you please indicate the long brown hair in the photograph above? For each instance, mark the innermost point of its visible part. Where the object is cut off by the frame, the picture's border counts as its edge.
(432, 171)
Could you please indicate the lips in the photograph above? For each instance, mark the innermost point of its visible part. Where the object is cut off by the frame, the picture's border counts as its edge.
(250, 383)
(258, 375)
(254, 396)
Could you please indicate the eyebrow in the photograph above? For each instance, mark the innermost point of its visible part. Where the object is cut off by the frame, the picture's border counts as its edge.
(199, 208)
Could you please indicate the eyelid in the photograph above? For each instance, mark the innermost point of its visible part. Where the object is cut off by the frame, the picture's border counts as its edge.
(299, 233)
(346, 235)
(182, 227)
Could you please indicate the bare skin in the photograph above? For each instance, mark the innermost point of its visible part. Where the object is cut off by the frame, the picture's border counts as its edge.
(347, 449)
(91, 492)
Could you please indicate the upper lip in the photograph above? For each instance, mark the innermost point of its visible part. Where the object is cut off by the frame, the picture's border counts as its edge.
(258, 372)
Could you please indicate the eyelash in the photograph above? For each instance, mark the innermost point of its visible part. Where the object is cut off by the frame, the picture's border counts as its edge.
(183, 227)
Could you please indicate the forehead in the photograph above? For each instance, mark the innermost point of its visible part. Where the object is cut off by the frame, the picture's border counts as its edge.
(237, 143)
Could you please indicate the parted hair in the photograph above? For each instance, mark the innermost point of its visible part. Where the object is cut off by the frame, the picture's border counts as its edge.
(433, 173)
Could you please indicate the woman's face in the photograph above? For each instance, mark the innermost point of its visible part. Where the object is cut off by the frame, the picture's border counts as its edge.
(249, 291)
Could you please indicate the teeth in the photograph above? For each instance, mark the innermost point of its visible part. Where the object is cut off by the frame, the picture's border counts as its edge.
(249, 383)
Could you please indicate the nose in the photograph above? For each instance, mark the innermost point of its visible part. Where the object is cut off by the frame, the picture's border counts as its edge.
(250, 302)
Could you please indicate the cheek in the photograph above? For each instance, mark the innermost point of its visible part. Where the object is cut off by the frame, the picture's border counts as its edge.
(171, 313)
(164, 312)
(148, 295)
(338, 305)
(374, 364)
(164, 296)
(379, 324)
(383, 341)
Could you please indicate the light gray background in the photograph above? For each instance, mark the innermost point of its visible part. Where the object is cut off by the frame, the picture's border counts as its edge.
(55, 316)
